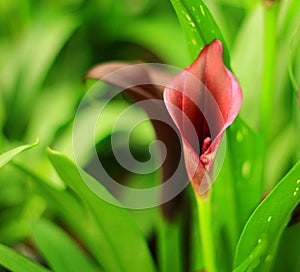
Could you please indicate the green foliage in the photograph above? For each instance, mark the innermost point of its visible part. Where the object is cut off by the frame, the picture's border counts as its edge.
(54, 243)
(111, 221)
(47, 208)
(17, 262)
(9, 155)
(199, 26)
(264, 228)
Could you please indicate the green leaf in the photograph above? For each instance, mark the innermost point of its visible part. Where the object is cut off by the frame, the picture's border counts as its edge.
(246, 167)
(16, 262)
(287, 256)
(15, 221)
(261, 235)
(245, 4)
(241, 172)
(69, 210)
(59, 249)
(246, 60)
(116, 225)
(293, 59)
(32, 62)
(278, 158)
(199, 26)
(289, 19)
(9, 155)
(46, 125)
(45, 40)
(171, 257)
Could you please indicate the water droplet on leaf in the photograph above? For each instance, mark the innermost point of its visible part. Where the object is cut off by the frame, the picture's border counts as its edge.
(246, 168)
(202, 10)
(269, 258)
(239, 136)
(295, 193)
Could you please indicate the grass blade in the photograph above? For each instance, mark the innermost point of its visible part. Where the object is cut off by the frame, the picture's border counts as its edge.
(59, 249)
(261, 235)
(111, 221)
(18, 263)
(9, 155)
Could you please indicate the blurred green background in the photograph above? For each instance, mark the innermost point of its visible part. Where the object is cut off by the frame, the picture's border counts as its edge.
(46, 47)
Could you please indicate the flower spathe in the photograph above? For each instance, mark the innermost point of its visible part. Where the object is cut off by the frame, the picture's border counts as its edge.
(202, 101)
(209, 98)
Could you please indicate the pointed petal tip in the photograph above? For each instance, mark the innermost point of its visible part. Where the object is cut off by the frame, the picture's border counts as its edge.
(102, 70)
(215, 47)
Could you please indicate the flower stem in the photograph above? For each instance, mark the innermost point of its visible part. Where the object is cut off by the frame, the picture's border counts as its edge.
(204, 217)
(269, 60)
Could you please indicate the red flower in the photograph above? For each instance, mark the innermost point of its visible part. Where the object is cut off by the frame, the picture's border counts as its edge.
(209, 96)
(202, 101)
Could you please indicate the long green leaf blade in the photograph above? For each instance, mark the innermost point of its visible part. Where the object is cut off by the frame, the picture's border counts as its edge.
(70, 210)
(247, 169)
(59, 249)
(260, 237)
(9, 155)
(39, 57)
(199, 26)
(123, 246)
(16, 262)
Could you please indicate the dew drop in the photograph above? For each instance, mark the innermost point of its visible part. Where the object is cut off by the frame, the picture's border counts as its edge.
(297, 189)
(202, 10)
(194, 41)
(193, 9)
(269, 258)
(188, 17)
(298, 181)
(239, 136)
(295, 193)
(259, 240)
(269, 218)
(246, 169)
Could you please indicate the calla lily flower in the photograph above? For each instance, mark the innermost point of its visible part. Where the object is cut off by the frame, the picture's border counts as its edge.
(210, 96)
(202, 101)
